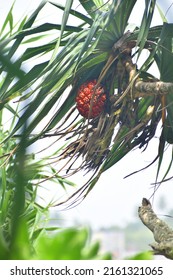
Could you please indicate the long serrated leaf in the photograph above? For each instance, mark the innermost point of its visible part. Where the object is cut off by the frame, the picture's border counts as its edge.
(12, 68)
(63, 26)
(167, 171)
(8, 20)
(72, 43)
(40, 98)
(145, 24)
(74, 13)
(27, 80)
(90, 7)
(118, 19)
(62, 61)
(90, 62)
(46, 27)
(99, 3)
(166, 59)
(42, 113)
(118, 150)
(89, 38)
(27, 25)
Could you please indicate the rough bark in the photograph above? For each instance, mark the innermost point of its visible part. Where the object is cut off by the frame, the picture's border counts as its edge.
(162, 233)
(157, 88)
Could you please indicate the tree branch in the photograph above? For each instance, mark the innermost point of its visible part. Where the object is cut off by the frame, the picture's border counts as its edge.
(162, 233)
(143, 89)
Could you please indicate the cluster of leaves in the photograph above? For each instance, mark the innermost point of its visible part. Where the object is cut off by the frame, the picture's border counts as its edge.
(82, 52)
(67, 244)
(23, 234)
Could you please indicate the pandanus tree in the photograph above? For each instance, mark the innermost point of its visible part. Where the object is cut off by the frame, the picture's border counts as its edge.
(89, 91)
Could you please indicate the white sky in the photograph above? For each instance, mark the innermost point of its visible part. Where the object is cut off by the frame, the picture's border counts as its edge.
(114, 200)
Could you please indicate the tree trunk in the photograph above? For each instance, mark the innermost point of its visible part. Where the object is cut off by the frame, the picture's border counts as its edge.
(162, 233)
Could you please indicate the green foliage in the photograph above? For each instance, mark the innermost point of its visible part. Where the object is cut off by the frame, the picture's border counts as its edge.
(165, 59)
(142, 256)
(66, 244)
(70, 244)
(22, 233)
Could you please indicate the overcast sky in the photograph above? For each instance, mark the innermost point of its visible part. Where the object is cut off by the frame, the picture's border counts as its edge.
(114, 200)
